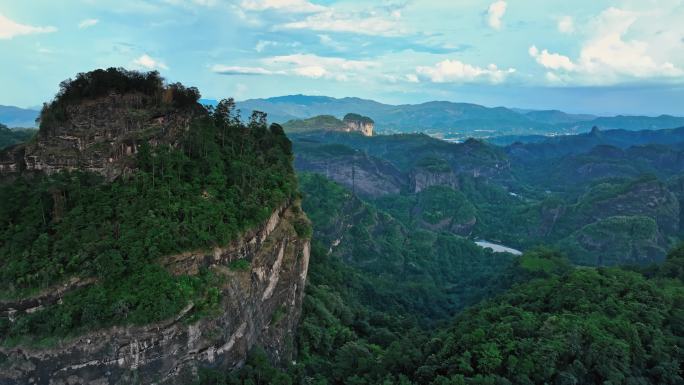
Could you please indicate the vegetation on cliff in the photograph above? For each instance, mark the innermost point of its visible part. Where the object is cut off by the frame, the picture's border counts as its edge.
(356, 118)
(322, 122)
(224, 178)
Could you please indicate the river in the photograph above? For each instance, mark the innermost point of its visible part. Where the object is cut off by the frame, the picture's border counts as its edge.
(498, 248)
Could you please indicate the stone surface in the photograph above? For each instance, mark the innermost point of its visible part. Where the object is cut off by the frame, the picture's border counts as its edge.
(171, 352)
(98, 135)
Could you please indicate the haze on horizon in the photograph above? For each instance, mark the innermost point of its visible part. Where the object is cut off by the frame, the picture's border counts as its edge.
(618, 56)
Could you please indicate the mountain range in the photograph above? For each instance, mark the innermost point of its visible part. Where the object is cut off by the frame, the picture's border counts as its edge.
(451, 120)
(447, 120)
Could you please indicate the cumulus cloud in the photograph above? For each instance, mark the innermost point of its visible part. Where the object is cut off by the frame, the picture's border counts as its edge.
(288, 6)
(495, 13)
(10, 28)
(148, 63)
(566, 24)
(607, 57)
(455, 71)
(552, 61)
(87, 23)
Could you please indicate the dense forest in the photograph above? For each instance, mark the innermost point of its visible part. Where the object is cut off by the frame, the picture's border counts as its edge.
(397, 291)
(557, 324)
(605, 198)
(225, 177)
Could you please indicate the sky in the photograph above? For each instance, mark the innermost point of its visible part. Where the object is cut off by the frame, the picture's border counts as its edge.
(594, 56)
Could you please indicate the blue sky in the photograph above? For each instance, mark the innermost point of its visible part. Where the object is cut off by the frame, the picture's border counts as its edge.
(580, 56)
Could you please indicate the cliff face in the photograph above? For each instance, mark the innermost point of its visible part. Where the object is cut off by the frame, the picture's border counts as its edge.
(98, 136)
(358, 123)
(361, 173)
(258, 306)
(422, 178)
(365, 128)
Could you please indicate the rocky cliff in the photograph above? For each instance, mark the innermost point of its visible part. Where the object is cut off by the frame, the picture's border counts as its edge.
(260, 274)
(98, 135)
(430, 172)
(358, 171)
(260, 305)
(350, 123)
(358, 123)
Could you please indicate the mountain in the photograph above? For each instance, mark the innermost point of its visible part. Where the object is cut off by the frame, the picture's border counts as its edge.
(18, 117)
(607, 205)
(156, 240)
(557, 117)
(350, 123)
(541, 147)
(450, 120)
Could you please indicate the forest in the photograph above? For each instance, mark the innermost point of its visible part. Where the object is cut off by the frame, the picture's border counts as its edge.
(397, 291)
(543, 321)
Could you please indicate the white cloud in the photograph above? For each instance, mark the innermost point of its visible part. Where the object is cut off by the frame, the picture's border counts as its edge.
(455, 71)
(607, 57)
(316, 67)
(87, 23)
(566, 24)
(237, 70)
(552, 61)
(412, 78)
(148, 63)
(263, 44)
(372, 24)
(288, 6)
(315, 72)
(495, 12)
(189, 3)
(408, 78)
(10, 28)
(302, 65)
(327, 41)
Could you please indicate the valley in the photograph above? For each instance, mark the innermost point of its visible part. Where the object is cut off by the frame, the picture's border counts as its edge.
(148, 239)
(341, 192)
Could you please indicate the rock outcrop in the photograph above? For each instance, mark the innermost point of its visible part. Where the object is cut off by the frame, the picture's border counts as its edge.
(363, 174)
(259, 306)
(350, 123)
(358, 123)
(98, 135)
(432, 172)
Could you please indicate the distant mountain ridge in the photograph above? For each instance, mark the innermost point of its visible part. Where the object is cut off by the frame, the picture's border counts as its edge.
(12, 116)
(451, 120)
